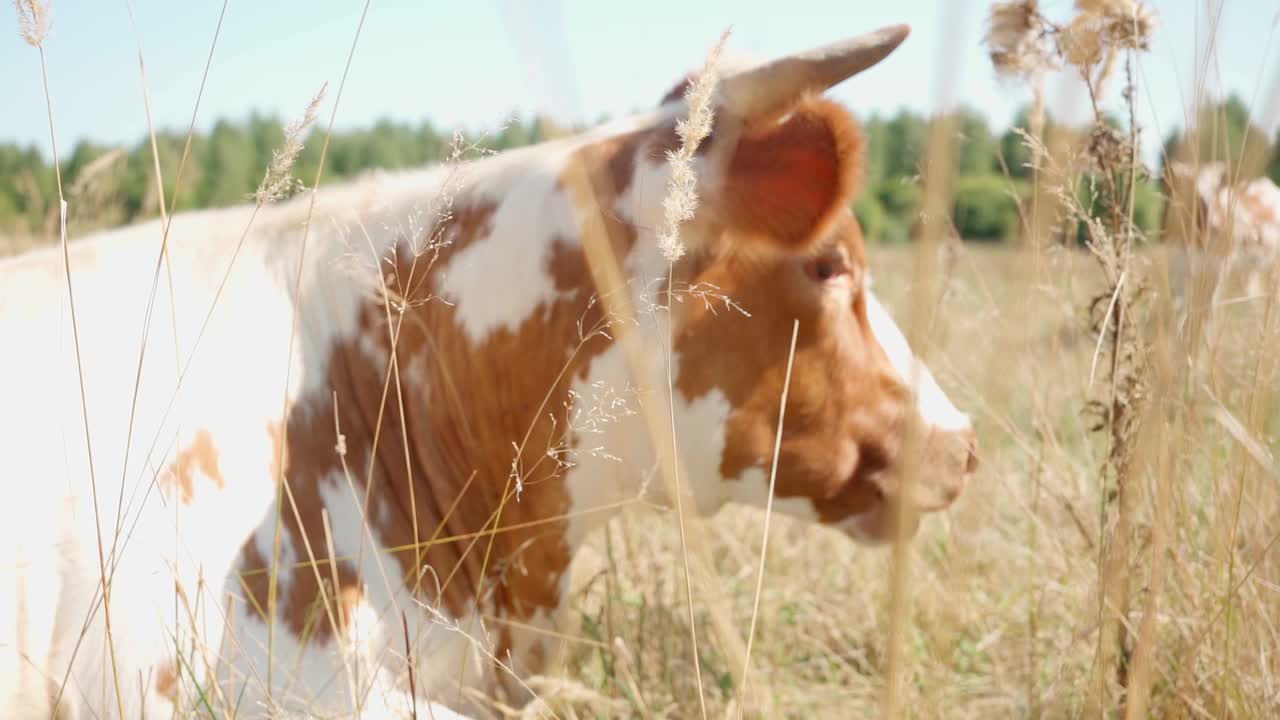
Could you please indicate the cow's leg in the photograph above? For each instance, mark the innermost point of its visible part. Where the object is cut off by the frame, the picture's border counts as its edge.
(321, 651)
(272, 665)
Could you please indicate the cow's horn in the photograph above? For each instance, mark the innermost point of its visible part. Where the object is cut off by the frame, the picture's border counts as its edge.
(773, 85)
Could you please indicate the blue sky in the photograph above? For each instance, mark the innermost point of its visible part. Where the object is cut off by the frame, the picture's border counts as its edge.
(473, 63)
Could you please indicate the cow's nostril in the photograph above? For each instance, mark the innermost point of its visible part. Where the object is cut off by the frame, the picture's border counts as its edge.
(967, 443)
(951, 492)
(971, 465)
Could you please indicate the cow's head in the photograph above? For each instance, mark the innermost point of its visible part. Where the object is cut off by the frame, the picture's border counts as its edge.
(775, 234)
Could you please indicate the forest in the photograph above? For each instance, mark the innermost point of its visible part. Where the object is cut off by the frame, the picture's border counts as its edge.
(109, 186)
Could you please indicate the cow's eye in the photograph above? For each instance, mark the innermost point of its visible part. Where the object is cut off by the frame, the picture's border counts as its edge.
(826, 267)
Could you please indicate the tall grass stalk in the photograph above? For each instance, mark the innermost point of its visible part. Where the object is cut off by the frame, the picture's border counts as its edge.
(614, 292)
(938, 176)
(678, 206)
(938, 194)
(768, 513)
(273, 580)
(33, 21)
(173, 311)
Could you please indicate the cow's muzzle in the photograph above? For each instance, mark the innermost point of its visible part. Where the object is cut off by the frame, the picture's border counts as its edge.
(948, 458)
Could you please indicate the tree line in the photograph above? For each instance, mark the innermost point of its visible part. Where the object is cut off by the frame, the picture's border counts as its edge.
(109, 186)
(994, 172)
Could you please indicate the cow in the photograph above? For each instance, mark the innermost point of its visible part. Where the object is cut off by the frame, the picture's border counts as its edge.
(337, 452)
(1219, 228)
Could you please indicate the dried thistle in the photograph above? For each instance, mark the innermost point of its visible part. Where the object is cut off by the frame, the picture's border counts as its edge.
(1108, 147)
(1081, 41)
(1125, 23)
(278, 181)
(1015, 33)
(33, 21)
(1135, 29)
(1019, 37)
(1105, 7)
(682, 196)
(1100, 34)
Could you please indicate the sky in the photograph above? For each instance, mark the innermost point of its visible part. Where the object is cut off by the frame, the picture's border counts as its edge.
(472, 64)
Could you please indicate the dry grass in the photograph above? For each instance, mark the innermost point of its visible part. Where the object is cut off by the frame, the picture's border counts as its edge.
(1004, 589)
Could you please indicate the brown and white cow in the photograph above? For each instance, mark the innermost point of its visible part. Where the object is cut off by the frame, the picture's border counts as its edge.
(298, 505)
(1221, 228)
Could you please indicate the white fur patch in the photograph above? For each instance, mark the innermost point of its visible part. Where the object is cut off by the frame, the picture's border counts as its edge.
(935, 408)
(597, 481)
(498, 280)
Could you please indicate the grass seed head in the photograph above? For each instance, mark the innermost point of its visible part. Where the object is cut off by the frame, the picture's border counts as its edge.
(279, 182)
(682, 196)
(1015, 38)
(33, 21)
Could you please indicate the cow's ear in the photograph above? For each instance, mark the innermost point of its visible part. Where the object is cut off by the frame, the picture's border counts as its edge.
(787, 178)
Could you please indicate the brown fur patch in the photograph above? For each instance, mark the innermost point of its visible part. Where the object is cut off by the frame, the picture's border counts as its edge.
(678, 90)
(200, 456)
(468, 419)
(845, 403)
(618, 155)
(167, 681)
(442, 467)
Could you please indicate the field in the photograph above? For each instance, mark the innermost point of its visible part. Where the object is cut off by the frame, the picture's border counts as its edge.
(1004, 587)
